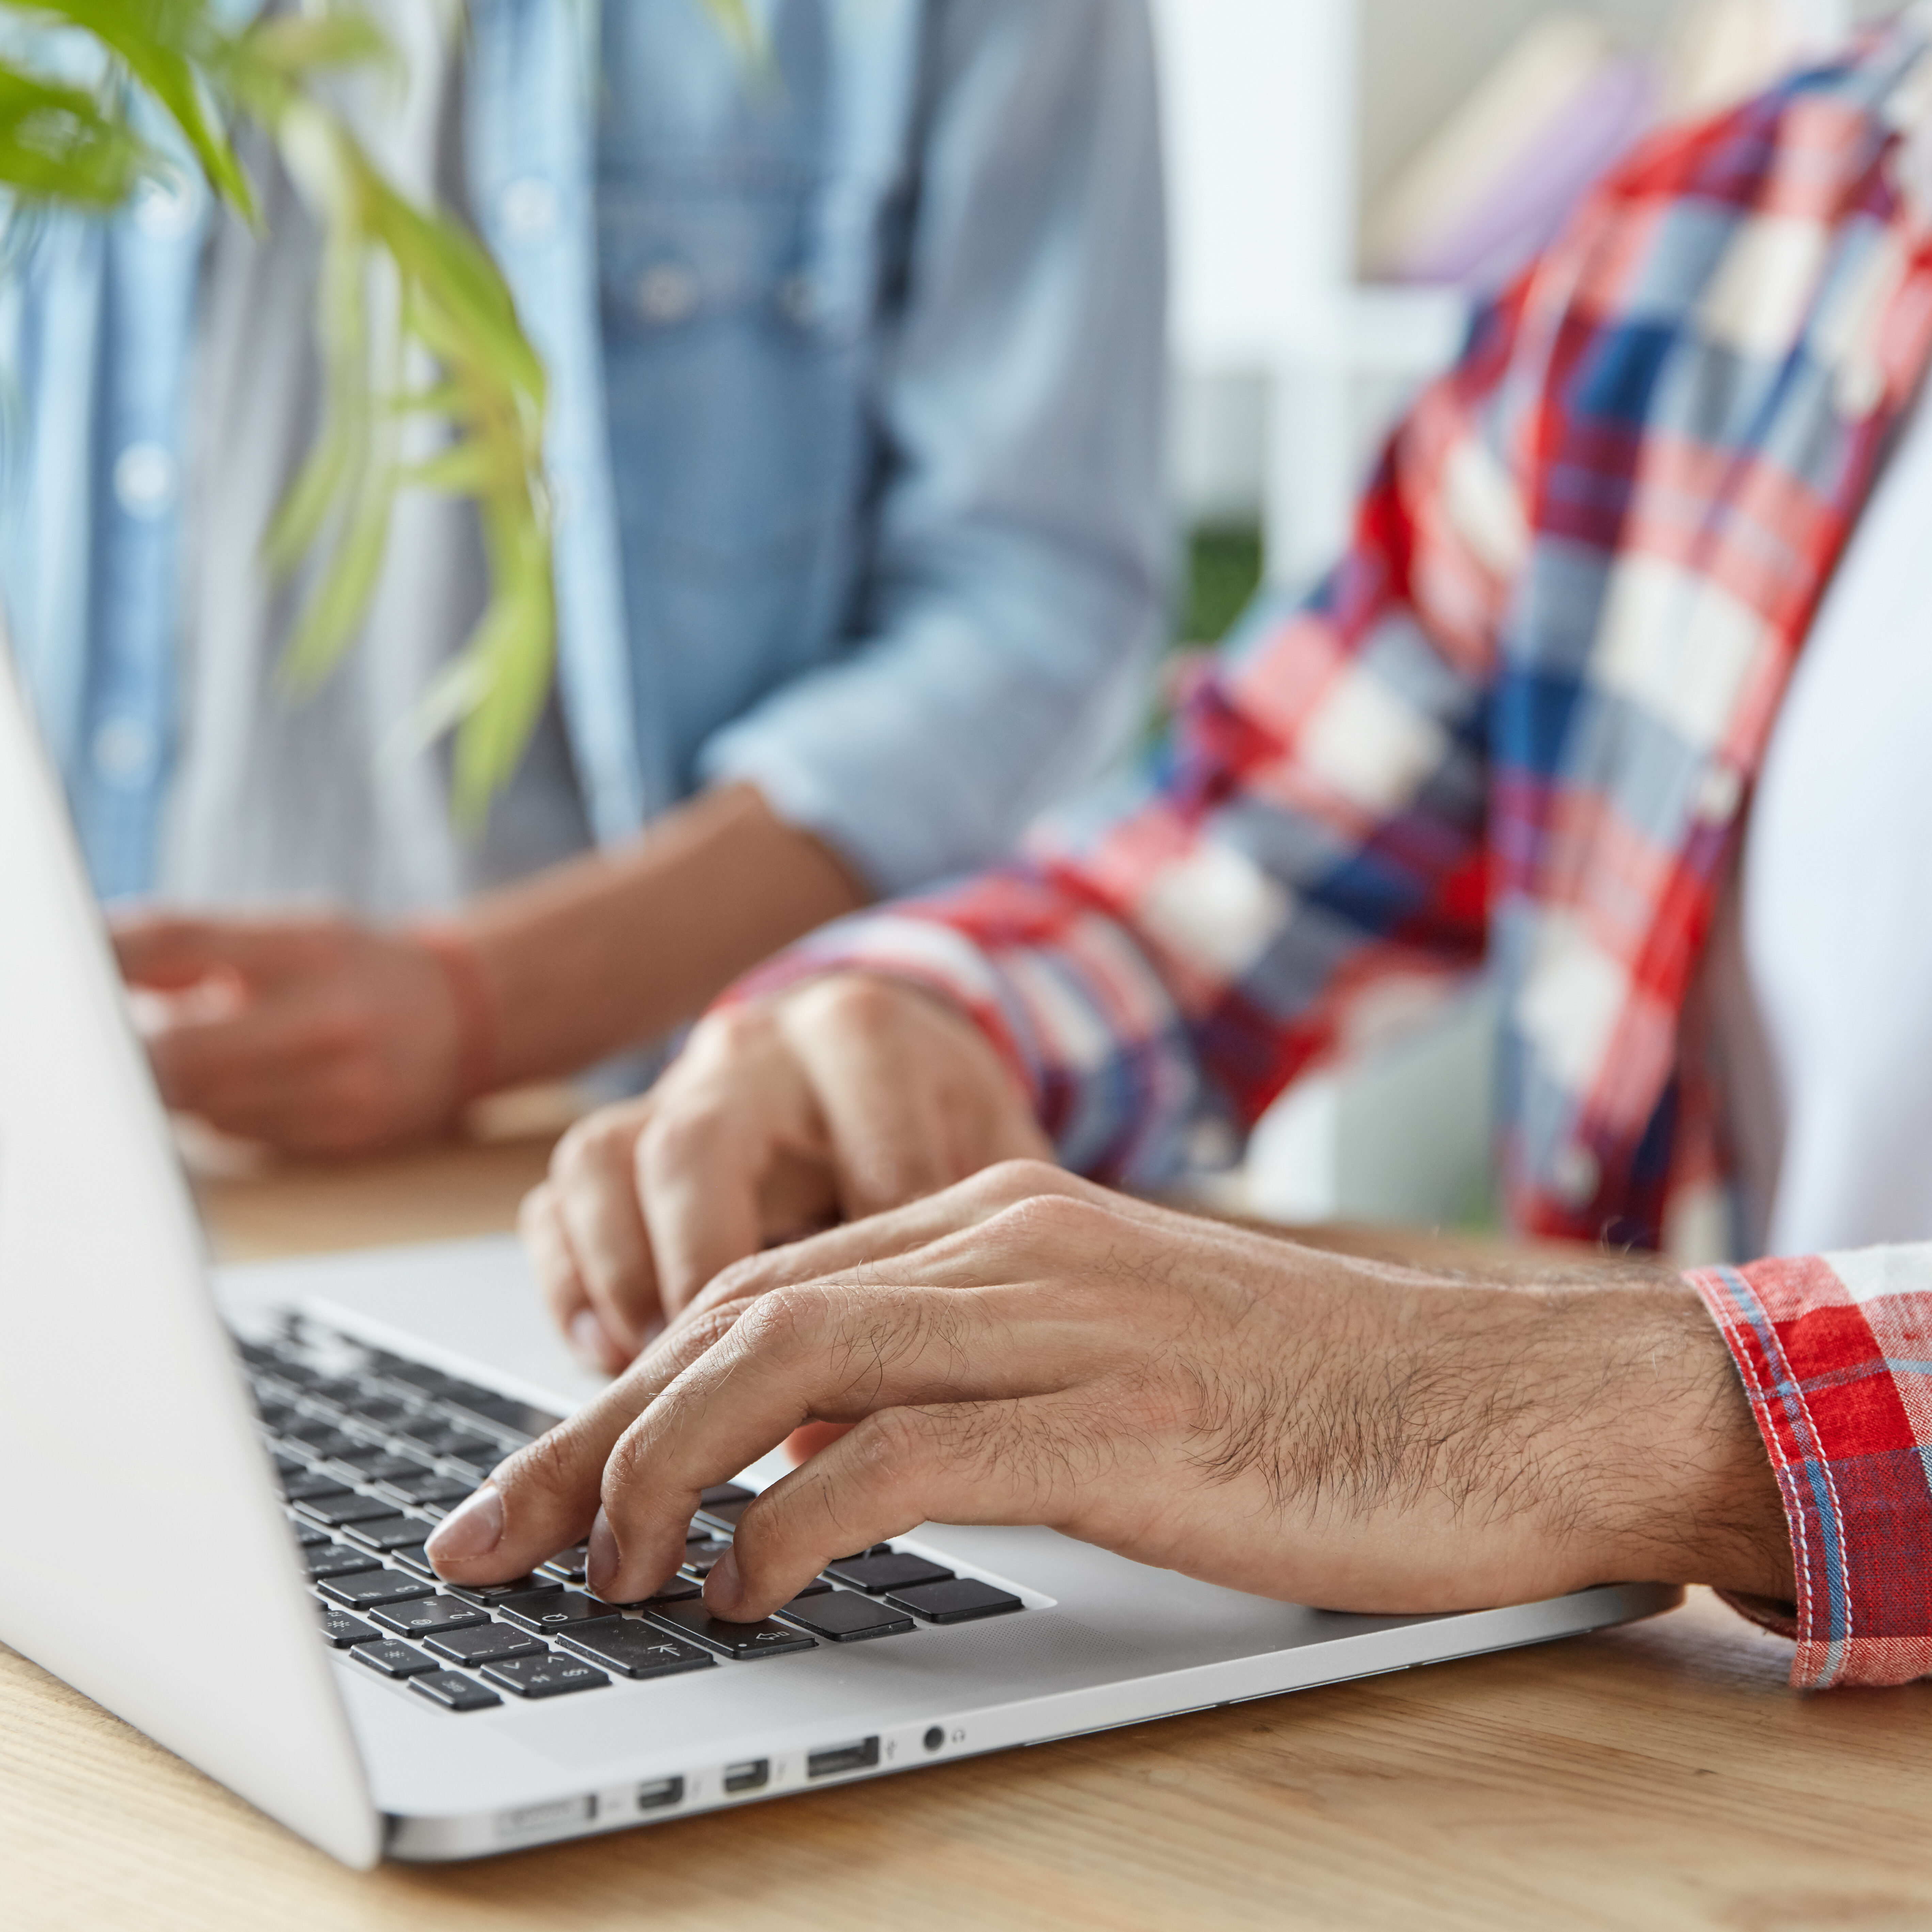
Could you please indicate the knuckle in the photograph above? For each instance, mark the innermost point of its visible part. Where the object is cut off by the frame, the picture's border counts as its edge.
(699, 1334)
(860, 1003)
(890, 1443)
(677, 1137)
(735, 1029)
(1021, 1179)
(785, 1320)
(594, 1144)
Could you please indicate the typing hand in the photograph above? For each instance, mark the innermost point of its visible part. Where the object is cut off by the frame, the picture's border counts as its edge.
(316, 1035)
(1028, 1348)
(844, 1098)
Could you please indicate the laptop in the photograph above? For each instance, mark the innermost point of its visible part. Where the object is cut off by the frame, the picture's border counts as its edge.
(220, 1494)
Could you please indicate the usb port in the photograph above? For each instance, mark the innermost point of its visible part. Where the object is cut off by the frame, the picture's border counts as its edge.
(860, 1756)
(666, 1791)
(754, 1774)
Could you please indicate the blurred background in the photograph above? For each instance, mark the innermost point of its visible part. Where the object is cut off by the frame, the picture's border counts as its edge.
(1411, 154)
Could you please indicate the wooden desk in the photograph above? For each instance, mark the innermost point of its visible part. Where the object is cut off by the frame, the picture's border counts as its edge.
(1659, 1776)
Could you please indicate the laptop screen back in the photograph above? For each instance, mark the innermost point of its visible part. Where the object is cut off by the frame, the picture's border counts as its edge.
(143, 1557)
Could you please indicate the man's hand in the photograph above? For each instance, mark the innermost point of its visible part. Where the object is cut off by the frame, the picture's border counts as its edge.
(1029, 1349)
(317, 1035)
(847, 1097)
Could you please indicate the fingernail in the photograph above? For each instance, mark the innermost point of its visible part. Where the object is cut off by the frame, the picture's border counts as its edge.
(474, 1531)
(603, 1559)
(724, 1589)
(586, 1338)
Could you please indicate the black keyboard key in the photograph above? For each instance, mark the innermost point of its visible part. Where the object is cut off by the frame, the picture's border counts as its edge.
(679, 1590)
(877, 1550)
(381, 1411)
(341, 1390)
(543, 1676)
(389, 1532)
(428, 1615)
(744, 1641)
(439, 1437)
(321, 1438)
(413, 1556)
(333, 1560)
(964, 1600)
(720, 1494)
(546, 1613)
(846, 1617)
(306, 1485)
(487, 1643)
(637, 1650)
(372, 1587)
(727, 1516)
(508, 1412)
(347, 1508)
(701, 1558)
(393, 1659)
(375, 1463)
(454, 1691)
(490, 1594)
(425, 1486)
(875, 1575)
(309, 1535)
(343, 1632)
(568, 1565)
(297, 1375)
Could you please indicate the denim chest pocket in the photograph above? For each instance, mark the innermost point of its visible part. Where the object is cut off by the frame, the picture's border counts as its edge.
(735, 319)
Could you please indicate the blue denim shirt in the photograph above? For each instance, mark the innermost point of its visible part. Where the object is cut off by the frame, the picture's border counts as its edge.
(857, 396)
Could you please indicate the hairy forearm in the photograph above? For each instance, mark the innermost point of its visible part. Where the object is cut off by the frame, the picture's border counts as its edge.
(618, 948)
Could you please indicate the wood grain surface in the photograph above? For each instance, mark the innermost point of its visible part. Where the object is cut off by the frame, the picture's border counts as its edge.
(1658, 1776)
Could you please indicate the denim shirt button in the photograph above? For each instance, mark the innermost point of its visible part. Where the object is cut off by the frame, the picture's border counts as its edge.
(123, 752)
(144, 479)
(527, 209)
(668, 293)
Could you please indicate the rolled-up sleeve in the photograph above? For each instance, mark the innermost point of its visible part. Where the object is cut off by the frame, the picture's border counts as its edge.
(1016, 593)
(1836, 1354)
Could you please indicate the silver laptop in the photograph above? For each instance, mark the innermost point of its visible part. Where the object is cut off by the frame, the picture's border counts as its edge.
(218, 1500)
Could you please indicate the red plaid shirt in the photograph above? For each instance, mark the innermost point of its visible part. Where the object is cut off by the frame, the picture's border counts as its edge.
(1516, 729)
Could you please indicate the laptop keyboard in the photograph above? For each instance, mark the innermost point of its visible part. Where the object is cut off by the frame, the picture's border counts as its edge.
(372, 1449)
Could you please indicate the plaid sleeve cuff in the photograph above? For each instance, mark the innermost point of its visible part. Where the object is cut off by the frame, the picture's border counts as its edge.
(1836, 1354)
(1060, 989)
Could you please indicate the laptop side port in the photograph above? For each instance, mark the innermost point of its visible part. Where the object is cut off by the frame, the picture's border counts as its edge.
(862, 1756)
(754, 1774)
(660, 1793)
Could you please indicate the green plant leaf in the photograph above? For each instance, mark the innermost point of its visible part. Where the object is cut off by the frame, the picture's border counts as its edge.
(172, 48)
(57, 145)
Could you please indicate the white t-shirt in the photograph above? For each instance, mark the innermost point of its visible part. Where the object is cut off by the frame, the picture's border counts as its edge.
(282, 797)
(1821, 964)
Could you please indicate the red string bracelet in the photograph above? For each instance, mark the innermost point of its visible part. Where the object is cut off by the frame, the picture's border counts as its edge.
(454, 951)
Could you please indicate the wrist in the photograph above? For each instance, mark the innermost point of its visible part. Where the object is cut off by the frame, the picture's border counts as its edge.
(473, 1003)
(1682, 1490)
